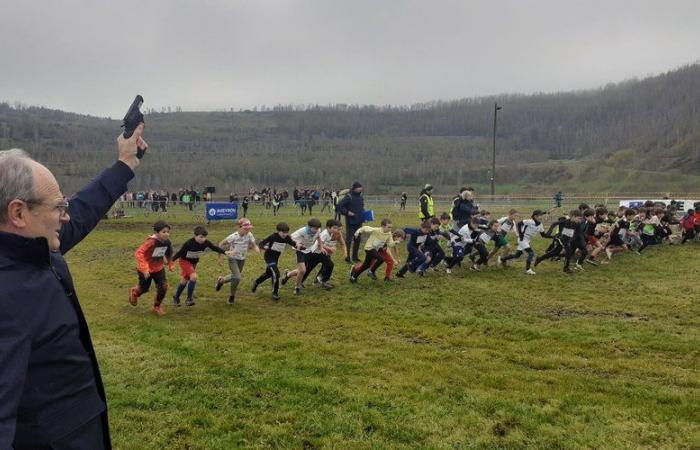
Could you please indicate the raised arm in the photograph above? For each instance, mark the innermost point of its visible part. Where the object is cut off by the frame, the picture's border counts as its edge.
(89, 205)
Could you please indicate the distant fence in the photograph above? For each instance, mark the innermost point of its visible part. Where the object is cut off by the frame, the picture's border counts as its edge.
(442, 202)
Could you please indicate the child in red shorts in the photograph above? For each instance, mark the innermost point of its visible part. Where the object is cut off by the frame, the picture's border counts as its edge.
(188, 257)
(150, 259)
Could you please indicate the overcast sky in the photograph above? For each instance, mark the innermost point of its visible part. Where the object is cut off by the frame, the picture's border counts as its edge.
(93, 56)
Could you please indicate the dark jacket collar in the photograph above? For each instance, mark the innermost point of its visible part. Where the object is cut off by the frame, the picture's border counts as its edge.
(19, 248)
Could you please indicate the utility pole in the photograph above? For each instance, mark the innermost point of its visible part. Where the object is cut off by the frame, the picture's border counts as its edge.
(493, 166)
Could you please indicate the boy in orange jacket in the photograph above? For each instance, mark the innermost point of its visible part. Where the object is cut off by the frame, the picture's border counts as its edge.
(150, 260)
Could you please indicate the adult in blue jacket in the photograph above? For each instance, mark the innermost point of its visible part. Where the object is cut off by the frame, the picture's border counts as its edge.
(352, 206)
(51, 392)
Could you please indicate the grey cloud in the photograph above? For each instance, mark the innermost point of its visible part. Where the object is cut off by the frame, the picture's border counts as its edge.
(92, 57)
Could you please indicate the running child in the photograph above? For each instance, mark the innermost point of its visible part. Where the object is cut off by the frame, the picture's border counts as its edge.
(238, 243)
(618, 235)
(414, 244)
(274, 245)
(378, 239)
(688, 223)
(306, 238)
(431, 247)
(188, 257)
(650, 223)
(389, 255)
(527, 230)
(481, 240)
(329, 239)
(150, 260)
(505, 225)
(568, 238)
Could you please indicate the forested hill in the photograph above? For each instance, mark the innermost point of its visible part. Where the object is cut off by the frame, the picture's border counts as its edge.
(631, 136)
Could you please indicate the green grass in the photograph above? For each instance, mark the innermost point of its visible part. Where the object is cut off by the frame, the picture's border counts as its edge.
(607, 358)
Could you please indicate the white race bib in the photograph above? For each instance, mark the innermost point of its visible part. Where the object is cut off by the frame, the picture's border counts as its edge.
(622, 233)
(568, 232)
(485, 238)
(278, 246)
(194, 255)
(159, 252)
(421, 239)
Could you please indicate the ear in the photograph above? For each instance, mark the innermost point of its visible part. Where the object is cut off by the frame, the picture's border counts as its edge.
(17, 212)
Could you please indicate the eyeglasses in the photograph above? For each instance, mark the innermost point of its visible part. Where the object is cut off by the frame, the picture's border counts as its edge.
(62, 207)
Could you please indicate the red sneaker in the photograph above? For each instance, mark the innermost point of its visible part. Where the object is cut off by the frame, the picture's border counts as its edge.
(133, 296)
(158, 310)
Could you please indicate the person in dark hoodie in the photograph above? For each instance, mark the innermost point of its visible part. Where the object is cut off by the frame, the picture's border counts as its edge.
(352, 206)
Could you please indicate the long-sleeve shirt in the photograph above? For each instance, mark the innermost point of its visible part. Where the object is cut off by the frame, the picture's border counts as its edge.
(378, 239)
(306, 238)
(415, 238)
(329, 240)
(274, 245)
(151, 255)
(192, 250)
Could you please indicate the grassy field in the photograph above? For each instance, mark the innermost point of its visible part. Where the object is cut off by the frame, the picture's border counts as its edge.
(607, 358)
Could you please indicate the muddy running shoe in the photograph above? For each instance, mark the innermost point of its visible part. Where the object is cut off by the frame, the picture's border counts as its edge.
(530, 272)
(189, 302)
(372, 275)
(158, 310)
(219, 283)
(231, 300)
(254, 287)
(176, 301)
(285, 278)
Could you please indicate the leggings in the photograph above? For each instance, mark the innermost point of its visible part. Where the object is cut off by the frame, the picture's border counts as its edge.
(519, 253)
(554, 249)
(457, 255)
(386, 259)
(688, 235)
(483, 253)
(437, 254)
(236, 266)
(271, 272)
(370, 256)
(571, 248)
(648, 240)
(415, 259)
(161, 285)
(326, 266)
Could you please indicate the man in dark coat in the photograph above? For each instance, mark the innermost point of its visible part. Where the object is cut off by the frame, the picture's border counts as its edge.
(352, 206)
(463, 208)
(51, 392)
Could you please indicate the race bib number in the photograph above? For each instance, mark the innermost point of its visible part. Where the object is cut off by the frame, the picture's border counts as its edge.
(159, 252)
(485, 238)
(568, 232)
(194, 255)
(622, 233)
(278, 246)
(421, 239)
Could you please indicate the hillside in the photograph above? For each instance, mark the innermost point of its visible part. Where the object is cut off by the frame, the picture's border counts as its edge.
(545, 142)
